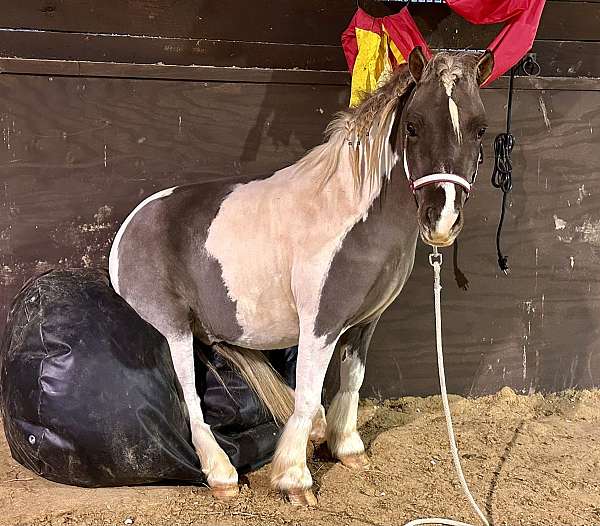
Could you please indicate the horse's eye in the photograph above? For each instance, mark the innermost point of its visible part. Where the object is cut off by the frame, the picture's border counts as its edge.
(480, 133)
(410, 129)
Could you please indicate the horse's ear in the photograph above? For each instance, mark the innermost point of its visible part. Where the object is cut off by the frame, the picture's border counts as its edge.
(485, 66)
(416, 63)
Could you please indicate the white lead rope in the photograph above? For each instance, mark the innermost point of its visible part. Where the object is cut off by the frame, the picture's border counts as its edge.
(435, 259)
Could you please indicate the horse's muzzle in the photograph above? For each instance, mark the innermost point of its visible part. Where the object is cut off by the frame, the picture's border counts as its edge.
(436, 234)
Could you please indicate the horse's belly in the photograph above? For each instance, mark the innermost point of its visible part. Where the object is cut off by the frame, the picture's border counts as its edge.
(267, 322)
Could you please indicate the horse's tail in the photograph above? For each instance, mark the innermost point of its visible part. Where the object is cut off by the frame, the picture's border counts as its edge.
(266, 382)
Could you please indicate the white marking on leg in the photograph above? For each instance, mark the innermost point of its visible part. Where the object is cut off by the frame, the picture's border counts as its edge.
(319, 424)
(215, 464)
(289, 470)
(113, 259)
(448, 215)
(342, 437)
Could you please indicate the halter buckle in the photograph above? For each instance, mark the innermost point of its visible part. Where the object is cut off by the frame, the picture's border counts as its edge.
(435, 258)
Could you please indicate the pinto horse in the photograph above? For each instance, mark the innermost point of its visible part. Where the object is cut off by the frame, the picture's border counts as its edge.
(310, 256)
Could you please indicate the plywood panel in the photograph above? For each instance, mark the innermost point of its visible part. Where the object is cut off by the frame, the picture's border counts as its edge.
(538, 328)
(78, 154)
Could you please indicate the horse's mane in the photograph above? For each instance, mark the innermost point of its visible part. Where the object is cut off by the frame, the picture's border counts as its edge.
(364, 131)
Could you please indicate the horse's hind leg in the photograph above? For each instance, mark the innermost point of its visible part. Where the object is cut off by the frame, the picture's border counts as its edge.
(343, 439)
(221, 475)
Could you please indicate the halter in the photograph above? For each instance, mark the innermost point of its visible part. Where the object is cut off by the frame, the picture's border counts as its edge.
(427, 180)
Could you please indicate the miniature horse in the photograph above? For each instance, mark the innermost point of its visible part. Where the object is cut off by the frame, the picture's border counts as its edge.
(310, 256)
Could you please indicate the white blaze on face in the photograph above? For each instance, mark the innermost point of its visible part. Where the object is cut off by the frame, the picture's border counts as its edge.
(448, 215)
(454, 117)
(453, 108)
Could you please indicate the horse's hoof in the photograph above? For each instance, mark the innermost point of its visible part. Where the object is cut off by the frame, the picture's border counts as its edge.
(224, 491)
(356, 461)
(301, 497)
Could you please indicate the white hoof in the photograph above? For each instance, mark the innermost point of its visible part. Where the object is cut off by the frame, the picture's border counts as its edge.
(292, 478)
(345, 445)
(218, 470)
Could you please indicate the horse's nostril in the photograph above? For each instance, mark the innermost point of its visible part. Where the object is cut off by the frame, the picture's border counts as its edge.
(457, 221)
(430, 214)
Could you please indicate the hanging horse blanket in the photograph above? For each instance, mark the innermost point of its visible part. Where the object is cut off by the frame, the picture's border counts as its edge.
(89, 395)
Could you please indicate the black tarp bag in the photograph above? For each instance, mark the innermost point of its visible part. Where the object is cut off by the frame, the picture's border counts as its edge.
(89, 395)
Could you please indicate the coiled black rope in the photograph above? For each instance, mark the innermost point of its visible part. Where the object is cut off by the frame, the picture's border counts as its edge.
(502, 174)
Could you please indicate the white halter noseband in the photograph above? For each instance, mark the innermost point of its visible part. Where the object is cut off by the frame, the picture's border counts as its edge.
(426, 180)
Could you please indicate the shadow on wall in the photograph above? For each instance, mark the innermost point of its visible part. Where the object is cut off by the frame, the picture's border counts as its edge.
(280, 108)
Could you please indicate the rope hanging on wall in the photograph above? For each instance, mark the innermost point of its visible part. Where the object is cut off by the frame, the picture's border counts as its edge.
(503, 146)
(502, 173)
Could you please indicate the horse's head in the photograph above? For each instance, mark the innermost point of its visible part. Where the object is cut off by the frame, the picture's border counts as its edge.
(439, 139)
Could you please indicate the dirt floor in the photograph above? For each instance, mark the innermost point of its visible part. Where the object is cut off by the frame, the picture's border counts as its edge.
(530, 460)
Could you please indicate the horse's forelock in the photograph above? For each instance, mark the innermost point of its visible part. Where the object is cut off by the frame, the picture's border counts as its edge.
(449, 67)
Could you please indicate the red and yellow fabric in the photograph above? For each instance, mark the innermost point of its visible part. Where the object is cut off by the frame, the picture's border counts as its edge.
(374, 46)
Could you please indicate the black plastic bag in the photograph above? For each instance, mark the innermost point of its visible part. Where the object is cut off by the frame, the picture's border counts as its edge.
(89, 396)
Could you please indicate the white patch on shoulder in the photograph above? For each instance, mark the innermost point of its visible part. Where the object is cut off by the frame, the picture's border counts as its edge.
(113, 259)
(448, 214)
(275, 240)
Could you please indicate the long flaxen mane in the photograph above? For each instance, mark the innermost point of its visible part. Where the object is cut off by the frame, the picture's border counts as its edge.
(364, 131)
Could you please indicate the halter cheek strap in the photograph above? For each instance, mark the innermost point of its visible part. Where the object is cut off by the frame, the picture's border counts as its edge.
(426, 180)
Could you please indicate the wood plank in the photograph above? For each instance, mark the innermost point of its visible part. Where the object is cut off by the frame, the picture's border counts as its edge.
(180, 51)
(253, 75)
(72, 172)
(568, 59)
(170, 72)
(308, 22)
(556, 58)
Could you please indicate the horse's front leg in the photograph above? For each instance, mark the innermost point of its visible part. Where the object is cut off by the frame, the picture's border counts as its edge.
(343, 439)
(289, 472)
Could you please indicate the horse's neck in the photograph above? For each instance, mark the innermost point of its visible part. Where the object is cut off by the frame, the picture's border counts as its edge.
(335, 200)
(388, 210)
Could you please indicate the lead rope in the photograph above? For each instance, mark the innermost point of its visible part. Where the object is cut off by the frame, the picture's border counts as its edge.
(502, 174)
(435, 259)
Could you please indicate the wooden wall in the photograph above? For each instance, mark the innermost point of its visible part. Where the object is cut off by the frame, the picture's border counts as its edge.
(103, 103)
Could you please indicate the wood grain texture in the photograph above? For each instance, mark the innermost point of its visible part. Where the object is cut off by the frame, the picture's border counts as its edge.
(296, 36)
(78, 154)
(538, 328)
(178, 51)
(308, 22)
